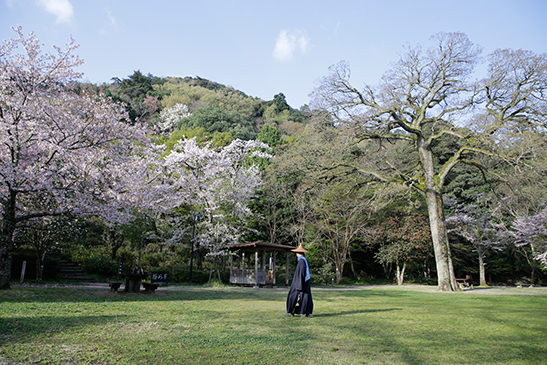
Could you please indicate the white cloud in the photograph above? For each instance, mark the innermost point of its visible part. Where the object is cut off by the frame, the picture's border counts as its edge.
(110, 16)
(62, 9)
(288, 43)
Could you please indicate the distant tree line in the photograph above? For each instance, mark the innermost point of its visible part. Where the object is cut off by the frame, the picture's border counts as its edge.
(427, 177)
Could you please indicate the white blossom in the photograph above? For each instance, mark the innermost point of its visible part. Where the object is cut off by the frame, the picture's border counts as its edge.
(169, 117)
(217, 183)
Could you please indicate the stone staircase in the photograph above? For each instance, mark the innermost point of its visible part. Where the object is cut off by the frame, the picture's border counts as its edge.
(72, 273)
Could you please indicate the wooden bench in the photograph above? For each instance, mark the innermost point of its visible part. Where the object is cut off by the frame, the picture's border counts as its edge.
(114, 286)
(149, 287)
(464, 283)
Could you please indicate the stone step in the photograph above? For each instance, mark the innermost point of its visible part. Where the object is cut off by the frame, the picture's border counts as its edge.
(71, 272)
(78, 278)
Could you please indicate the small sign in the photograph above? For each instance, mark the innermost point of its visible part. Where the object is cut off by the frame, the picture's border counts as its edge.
(159, 277)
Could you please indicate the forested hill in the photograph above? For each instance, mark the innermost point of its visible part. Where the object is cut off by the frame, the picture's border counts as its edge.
(195, 106)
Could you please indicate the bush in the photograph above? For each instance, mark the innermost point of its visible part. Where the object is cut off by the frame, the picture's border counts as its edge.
(102, 265)
(127, 256)
(93, 260)
(327, 274)
(179, 273)
(152, 259)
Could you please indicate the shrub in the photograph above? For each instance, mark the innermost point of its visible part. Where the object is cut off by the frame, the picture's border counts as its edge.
(100, 264)
(179, 273)
(151, 259)
(127, 256)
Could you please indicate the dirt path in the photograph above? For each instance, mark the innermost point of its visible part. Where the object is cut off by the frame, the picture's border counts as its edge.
(491, 290)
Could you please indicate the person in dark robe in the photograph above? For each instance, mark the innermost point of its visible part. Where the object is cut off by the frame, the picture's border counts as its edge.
(299, 300)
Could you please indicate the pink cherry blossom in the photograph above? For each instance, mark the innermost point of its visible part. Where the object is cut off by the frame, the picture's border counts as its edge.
(60, 152)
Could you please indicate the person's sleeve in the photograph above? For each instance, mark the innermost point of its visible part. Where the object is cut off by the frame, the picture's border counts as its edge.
(300, 275)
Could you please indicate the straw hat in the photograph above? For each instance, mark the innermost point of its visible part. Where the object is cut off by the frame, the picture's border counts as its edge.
(300, 249)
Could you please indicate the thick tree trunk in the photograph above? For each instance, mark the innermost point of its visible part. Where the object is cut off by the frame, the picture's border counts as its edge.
(533, 265)
(6, 241)
(116, 242)
(40, 259)
(387, 270)
(401, 274)
(5, 267)
(445, 271)
(339, 271)
(339, 260)
(482, 271)
(338, 275)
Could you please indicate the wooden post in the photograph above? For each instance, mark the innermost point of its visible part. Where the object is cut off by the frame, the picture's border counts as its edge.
(231, 267)
(274, 269)
(243, 260)
(287, 270)
(263, 265)
(23, 269)
(256, 269)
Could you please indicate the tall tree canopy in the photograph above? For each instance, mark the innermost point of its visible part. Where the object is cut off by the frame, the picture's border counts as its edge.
(60, 151)
(423, 99)
(214, 120)
(219, 184)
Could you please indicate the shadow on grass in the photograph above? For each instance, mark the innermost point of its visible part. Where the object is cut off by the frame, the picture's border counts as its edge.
(80, 295)
(356, 312)
(18, 327)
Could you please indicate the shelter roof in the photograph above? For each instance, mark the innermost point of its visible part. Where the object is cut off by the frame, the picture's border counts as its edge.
(261, 245)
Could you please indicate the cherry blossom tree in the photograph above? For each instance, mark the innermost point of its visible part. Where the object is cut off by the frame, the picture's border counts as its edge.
(480, 226)
(218, 184)
(532, 231)
(170, 116)
(60, 152)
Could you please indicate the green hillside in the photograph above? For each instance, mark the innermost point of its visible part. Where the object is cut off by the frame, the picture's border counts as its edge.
(205, 108)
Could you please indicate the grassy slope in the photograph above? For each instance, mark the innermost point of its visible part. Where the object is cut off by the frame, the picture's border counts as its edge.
(246, 326)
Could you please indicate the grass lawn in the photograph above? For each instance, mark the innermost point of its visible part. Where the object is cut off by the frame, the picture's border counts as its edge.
(373, 325)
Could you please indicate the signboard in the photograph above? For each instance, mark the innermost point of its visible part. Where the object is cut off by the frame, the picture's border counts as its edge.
(159, 277)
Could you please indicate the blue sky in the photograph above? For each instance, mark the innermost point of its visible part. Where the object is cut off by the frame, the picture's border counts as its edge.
(265, 47)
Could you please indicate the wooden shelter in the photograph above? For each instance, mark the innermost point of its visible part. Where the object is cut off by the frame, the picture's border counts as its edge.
(259, 275)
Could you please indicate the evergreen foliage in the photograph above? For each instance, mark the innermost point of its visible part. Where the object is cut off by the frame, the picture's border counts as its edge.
(308, 193)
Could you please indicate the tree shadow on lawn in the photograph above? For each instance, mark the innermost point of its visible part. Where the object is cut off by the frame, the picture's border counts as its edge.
(78, 295)
(449, 341)
(86, 295)
(356, 312)
(30, 327)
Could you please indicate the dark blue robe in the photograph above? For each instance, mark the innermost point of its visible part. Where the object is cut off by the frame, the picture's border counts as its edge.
(300, 287)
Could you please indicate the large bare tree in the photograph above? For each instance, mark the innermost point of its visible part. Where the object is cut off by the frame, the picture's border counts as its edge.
(422, 100)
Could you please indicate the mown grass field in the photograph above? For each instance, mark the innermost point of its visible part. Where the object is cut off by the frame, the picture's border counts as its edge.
(376, 325)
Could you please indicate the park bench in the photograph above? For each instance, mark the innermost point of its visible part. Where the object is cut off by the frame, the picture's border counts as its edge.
(149, 287)
(465, 283)
(114, 286)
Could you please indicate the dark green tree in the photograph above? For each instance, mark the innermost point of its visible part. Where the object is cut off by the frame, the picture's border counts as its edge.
(280, 103)
(136, 87)
(215, 120)
(45, 235)
(138, 93)
(269, 135)
(403, 237)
